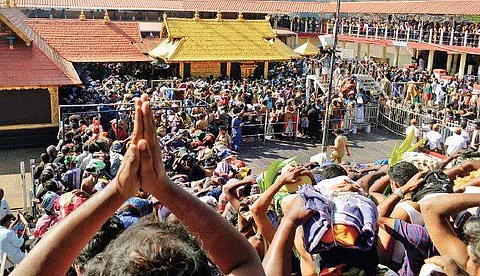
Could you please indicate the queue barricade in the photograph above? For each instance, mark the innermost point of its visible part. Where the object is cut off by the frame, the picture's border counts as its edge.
(352, 119)
(276, 129)
(123, 112)
(257, 129)
(397, 119)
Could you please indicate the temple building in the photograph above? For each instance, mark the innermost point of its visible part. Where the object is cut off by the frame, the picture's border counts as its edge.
(31, 72)
(234, 48)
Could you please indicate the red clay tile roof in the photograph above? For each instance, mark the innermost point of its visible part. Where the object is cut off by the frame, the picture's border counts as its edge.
(33, 62)
(91, 40)
(451, 7)
(28, 66)
(148, 44)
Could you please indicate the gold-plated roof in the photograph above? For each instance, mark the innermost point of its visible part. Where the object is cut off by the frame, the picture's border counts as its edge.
(307, 49)
(219, 40)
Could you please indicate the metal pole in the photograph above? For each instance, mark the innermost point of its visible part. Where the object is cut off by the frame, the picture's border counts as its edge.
(24, 186)
(33, 190)
(330, 83)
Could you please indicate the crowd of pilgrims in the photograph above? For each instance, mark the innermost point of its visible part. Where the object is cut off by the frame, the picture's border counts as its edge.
(156, 185)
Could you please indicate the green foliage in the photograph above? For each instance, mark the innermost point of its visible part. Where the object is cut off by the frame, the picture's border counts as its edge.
(406, 146)
(267, 178)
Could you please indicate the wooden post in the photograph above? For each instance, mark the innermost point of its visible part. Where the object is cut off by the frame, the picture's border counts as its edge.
(229, 69)
(181, 69)
(265, 70)
(53, 91)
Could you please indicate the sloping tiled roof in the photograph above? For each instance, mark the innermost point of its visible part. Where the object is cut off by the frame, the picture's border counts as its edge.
(147, 44)
(34, 63)
(213, 40)
(91, 40)
(452, 7)
(284, 49)
(307, 49)
(179, 5)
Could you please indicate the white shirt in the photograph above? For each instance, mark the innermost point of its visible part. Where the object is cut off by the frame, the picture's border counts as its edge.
(413, 128)
(474, 141)
(10, 244)
(455, 143)
(4, 209)
(434, 140)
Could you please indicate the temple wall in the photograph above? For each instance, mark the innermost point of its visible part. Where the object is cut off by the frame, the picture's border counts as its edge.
(205, 68)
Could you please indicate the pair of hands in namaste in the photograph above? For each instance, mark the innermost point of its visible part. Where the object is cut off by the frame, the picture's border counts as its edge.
(142, 166)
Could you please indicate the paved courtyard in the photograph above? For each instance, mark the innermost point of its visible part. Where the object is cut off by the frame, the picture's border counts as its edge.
(364, 148)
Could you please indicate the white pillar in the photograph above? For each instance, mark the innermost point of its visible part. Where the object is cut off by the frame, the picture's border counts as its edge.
(376, 32)
(384, 52)
(441, 36)
(465, 39)
(431, 55)
(449, 63)
(408, 34)
(430, 36)
(386, 32)
(454, 66)
(396, 56)
(463, 62)
(452, 35)
(368, 50)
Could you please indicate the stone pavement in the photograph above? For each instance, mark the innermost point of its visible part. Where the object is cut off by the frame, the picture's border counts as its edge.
(363, 147)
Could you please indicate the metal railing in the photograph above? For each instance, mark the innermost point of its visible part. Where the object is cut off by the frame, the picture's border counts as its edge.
(407, 34)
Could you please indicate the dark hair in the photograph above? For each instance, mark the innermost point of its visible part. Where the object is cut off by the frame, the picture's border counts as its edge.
(401, 172)
(44, 157)
(153, 248)
(92, 148)
(333, 171)
(110, 230)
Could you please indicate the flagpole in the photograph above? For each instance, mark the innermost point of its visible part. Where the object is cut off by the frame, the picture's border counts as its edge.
(330, 80)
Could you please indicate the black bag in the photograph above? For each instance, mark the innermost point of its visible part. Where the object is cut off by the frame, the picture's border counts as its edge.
(435, 182)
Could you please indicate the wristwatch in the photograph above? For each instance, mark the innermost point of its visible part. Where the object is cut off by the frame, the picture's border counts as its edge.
(399, 193)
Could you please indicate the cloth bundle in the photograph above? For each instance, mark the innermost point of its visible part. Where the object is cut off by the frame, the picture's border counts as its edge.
(347, 220)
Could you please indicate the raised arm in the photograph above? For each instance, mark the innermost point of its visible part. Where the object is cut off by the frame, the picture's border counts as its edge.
(278, 258)
(260, 207)
(197, 217)
(59, 247)
(436, 212)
